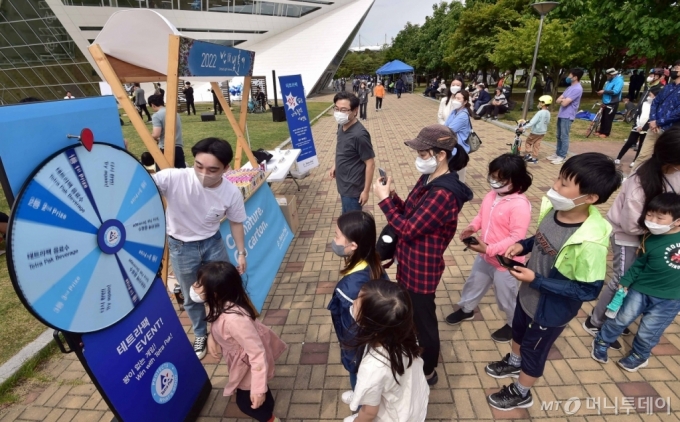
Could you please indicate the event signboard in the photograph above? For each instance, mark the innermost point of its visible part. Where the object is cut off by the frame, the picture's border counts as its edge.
(299, 126)
(267, 239)
(201, 58)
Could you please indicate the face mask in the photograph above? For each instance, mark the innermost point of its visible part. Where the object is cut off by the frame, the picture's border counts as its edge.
(650, 78)
(568, 80)
(561, 203)
(426, 166)
(454, 89)
(456, 104)
(655, 228)
(674, 74)
(341, 118)
(207, 180)
(195, 297)
(339, 250)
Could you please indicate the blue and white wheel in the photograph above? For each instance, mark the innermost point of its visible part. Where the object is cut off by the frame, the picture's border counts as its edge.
(86, 238)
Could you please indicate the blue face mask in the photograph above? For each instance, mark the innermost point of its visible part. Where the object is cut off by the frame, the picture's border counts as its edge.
(568, 80)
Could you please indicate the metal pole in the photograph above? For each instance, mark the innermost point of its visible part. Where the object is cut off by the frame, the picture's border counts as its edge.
(533, 69)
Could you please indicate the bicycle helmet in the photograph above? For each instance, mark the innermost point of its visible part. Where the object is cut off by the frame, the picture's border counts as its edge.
(545, 99)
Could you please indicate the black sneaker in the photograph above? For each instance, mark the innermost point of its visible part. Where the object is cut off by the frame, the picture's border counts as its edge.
(200, 346)
(433, 379)
(459, 316)
(503, 334)
(626, 332)
(502, 369)
(510, 398)
(590, 328)
(615, 345)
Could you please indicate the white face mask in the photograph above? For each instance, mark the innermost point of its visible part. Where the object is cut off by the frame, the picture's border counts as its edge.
(655, 228)
(426, 166)
(650, 78)
(195, 297)
(207, 180)
(499, 187)
(561, 203)
(454, 89)
(341, 118)
(456, 104)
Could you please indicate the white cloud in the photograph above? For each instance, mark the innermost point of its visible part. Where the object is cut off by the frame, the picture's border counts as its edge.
(388, 17)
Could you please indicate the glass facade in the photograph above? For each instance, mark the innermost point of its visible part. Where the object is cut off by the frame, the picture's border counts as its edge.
(248, 7)
(37, 56)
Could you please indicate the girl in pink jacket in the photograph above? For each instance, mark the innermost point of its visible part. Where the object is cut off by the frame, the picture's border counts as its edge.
(248, 346)
(503, 219)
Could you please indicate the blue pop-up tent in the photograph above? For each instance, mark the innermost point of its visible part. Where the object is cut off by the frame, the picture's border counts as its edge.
(395, 67)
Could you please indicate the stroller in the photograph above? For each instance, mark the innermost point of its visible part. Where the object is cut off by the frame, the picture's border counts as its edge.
(516, 145)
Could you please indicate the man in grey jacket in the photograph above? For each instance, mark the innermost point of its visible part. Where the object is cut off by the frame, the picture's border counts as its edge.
(140, 102)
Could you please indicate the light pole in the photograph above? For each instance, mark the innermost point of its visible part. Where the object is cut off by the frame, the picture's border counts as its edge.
(543, 8)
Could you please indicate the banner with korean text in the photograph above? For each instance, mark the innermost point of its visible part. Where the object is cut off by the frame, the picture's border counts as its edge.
(298, 121)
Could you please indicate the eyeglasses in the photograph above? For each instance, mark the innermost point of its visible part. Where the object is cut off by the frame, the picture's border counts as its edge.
(343, 110)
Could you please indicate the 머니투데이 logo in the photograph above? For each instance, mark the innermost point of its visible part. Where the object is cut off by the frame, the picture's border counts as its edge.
(164, 383)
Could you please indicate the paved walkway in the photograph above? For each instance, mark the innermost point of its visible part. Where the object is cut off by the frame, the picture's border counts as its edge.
(310, 377)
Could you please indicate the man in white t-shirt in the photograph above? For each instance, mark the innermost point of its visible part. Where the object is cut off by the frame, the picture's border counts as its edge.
(198, 199)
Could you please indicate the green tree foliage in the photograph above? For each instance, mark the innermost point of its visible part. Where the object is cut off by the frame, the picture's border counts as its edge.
(360, 63)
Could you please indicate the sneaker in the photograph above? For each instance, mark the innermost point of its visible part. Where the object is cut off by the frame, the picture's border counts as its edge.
(615, 345)
(503, 334)
(502, 369)
(632, 164)
(589, 327)
(350, 418)
(633, 362)
(558, 160)
(617, 161)
(200, 346)
(626, 332)
(527, 157)
(510, 398)
(599, 351)
(347, 396)
(433, 379)
(552, 157)
(459, 316)
(533, 161)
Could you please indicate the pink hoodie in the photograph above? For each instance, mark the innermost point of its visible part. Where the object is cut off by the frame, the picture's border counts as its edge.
(503, 223)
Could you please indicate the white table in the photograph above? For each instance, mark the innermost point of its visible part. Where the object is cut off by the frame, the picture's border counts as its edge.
(280, 164)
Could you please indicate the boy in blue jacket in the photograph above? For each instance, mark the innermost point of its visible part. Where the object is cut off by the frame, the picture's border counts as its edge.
(567, 267)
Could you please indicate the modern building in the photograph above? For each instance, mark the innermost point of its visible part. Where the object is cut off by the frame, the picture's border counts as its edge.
(43, 43)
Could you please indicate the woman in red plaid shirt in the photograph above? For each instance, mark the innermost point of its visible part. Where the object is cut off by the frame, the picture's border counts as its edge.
(425, 225)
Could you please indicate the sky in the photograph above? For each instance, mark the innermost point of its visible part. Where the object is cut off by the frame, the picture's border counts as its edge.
(389, 17)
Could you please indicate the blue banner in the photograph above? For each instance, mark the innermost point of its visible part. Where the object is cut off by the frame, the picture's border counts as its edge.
(298, 121)
(145, 363)
(267, 239)
(201, 58)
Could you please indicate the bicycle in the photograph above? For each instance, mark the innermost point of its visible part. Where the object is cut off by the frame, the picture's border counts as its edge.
(595, 124)
(516, 146)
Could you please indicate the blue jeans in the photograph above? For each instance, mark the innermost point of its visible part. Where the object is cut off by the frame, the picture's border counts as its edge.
(186, 259)
(563, 128)
(657, 315)
(350, 204)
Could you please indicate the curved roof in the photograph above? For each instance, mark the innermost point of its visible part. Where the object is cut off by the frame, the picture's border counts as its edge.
(396, 66)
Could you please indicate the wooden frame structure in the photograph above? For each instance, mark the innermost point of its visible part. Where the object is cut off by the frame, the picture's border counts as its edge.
(117, 72)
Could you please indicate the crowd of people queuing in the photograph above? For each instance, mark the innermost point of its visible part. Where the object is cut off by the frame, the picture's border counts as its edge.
(387, 329)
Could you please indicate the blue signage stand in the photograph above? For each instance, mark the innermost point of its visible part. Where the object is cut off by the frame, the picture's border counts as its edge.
(298, 121)
(86, 235)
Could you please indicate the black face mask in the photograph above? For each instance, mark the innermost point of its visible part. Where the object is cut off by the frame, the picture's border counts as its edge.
(674, 74)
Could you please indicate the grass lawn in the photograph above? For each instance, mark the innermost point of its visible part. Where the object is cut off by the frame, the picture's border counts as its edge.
(620, 130)
(18, 326)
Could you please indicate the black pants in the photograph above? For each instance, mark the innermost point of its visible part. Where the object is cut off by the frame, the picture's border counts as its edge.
(378, 103)
(262, 413)
(190, 105)
(180, 161)
(217, 106)
(535, 341)
(608, 115)
(145, 110)
(633, 139)
(425, 319)
(363, 110)
(499, 109)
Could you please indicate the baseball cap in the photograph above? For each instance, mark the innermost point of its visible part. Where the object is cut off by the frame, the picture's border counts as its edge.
(434, 136)
(612, 71)
(656, 71)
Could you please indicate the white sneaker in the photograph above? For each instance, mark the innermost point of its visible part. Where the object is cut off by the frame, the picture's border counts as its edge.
(632, 164)
(347, 397)
(351, 418)
(200, 346)
(558, 160)
(617, 162)
(552, 157)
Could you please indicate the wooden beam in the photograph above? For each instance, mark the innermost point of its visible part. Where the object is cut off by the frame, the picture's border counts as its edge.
(122, 96)
(244, 114)
(171, 102)
(125, 70)
(240, 139)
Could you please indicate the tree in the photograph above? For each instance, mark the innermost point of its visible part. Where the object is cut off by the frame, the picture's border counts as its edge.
(405, 46)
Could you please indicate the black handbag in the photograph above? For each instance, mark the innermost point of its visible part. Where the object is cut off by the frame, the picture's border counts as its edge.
(262, 155)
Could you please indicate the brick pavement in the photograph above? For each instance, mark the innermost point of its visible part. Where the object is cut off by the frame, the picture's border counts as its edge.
(309, 376)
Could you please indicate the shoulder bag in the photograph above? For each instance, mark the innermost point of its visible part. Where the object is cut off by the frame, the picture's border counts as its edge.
(473, 140)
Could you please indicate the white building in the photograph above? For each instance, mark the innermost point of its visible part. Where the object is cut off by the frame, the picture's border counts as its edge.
(43, 47)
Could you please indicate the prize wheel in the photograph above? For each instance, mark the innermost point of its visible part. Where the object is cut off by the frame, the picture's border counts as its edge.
(86, 238)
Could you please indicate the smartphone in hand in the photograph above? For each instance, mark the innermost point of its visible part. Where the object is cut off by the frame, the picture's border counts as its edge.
(508, 263)
(383, 175)
(470, 241)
